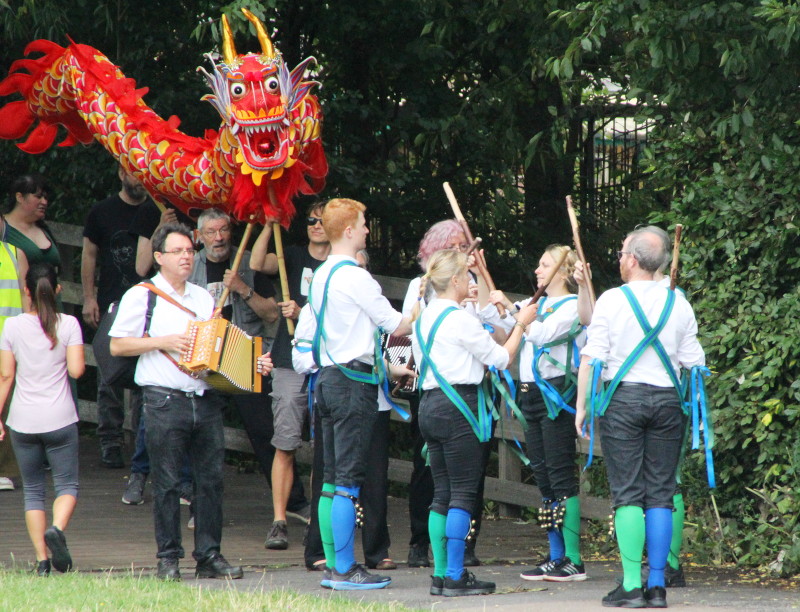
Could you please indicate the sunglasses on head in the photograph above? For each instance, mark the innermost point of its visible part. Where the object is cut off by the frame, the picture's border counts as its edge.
(312, 221)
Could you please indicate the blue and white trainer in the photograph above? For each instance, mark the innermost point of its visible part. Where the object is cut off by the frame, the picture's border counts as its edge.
(357, 578)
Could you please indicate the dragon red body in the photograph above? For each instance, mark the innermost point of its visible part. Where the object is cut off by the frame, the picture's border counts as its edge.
(267, 150)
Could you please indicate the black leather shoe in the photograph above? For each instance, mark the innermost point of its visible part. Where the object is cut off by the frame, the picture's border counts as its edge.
(112, 457)
(168, 569)
(418, 556)
(216, 566)
(470, 560)
(656, 597)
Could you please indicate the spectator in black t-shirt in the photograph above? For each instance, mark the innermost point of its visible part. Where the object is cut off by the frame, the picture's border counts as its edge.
(109, 248)
(147, 219)
(289, 402)
(251, 301)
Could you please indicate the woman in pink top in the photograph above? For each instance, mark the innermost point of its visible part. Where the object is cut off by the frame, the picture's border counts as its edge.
(38, 349)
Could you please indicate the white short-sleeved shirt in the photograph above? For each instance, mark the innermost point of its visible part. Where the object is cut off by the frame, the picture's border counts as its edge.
(153, 367)
(548, 327)
(356, 307)
(303, 361)
(615, 332)
(42, 399)
(461, 347)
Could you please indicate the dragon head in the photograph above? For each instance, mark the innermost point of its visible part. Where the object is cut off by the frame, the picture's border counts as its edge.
(262, 103)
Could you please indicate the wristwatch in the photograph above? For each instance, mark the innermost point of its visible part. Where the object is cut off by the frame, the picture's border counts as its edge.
(249, 295)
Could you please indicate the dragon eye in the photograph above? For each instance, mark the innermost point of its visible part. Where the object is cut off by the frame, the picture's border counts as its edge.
(272, 85)
(238, 90)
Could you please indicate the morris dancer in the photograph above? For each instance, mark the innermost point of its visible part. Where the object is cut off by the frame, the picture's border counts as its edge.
(446, 234)
(642, 333)
(349, 308)
(548, 364)
(452, 347)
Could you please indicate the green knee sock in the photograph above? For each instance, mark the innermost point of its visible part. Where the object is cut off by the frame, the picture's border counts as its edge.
(629, 524)
(677, 531)
(325, 527)
(436, 532)
(571, 529)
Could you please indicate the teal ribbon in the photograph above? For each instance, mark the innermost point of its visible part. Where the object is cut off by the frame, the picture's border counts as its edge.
(482, 423)
(701, 411)
(379, 375)
(496, 378)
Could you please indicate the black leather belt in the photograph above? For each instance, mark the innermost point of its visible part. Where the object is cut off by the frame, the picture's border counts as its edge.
(358, 366)
(170, 391)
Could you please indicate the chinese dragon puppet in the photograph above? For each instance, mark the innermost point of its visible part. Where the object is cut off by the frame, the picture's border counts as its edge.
(267, 150)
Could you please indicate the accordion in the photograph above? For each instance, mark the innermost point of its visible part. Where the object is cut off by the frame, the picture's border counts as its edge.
(397, 350)
(228, 352)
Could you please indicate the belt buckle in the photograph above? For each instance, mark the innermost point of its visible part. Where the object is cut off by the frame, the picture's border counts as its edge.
(524, 387)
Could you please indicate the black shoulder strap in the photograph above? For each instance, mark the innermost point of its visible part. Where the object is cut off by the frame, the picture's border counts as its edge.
(152, 296)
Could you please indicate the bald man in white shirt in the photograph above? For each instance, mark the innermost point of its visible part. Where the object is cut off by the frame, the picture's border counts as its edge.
(642, 425)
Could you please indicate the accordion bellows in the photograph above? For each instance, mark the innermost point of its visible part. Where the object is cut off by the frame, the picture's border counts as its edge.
(228, 352)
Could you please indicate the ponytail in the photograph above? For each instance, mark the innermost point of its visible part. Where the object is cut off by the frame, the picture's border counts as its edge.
(423, 286)
(41, 282)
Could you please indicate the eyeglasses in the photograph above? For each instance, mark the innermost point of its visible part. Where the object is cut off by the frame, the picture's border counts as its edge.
(209, 233)
(621, 253)
(312, 221)
(463, 247)
(190, 252)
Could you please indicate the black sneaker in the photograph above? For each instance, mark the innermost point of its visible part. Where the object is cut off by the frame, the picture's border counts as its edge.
(539, 572)
(566, 571)
(325, 583)
(358, 579)
(112, 457)
(134, 492)
(620, 598)
(466, 585)
(278, 537)
(437, 584)
(43, 568)
(168, 570)
(57, 543)
(656, 597)
(674, 578)
(216, 566)
(418, 556)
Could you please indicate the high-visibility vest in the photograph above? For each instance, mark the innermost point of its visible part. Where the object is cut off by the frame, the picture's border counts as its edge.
(10, 295)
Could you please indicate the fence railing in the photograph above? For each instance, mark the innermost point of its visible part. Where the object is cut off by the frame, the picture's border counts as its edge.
(507, 489)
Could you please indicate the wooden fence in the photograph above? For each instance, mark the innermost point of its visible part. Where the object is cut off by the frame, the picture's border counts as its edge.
(507, 489)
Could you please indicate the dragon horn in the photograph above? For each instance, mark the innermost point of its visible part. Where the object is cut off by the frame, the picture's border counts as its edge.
(228, 50)
(267, 48)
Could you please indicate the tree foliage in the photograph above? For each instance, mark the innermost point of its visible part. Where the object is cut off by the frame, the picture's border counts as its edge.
(719, 81)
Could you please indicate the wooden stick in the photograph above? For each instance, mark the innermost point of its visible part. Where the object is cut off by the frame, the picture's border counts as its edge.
(540, 291)
(475, 244)
(479, 260)
(235, 267)
(576, 239)
(676, 252)
(276, 232)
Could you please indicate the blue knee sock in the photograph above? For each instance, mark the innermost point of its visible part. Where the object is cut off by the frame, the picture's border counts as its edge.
(556, 538)
(557, 548)
(456, 529)
(658, 534)
(343, 521)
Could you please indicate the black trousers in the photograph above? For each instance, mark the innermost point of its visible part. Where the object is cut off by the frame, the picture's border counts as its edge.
(420, 487)
(375, 537)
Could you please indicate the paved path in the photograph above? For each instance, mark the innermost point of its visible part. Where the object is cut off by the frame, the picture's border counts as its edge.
(106, 534)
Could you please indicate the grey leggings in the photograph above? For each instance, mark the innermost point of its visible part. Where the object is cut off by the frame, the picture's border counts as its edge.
(60, 447)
